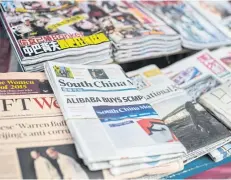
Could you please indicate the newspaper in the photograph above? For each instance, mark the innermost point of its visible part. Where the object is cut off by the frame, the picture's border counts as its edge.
(49, 30)
(35, 141)
(224, 56)
(131, 27)
(28, 104)
(218, 13)
(198, 73)
(116, 171)
(193, 126)
(217, 102)
(110, 103)
(221, 153)
(127, 23)
(149, 173)
(196, 31)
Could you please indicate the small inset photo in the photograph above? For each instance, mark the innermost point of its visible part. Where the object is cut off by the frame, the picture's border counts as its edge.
(51, 162)
(139, 82)
(61, 71)
(98, 74)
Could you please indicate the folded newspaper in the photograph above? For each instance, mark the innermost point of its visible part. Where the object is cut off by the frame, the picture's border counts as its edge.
(198, 73)
(35, 142)
(224, 56)
(51, 30)
(217, 12)
(127, 26)
(198, 131)
(221, 153)
(196, 31)
(101, 100)
(218, 102)
(199, 77)
(147, 173)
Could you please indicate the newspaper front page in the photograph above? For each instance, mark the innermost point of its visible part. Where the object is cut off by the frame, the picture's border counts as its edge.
(35, 142)
(45, 30)
(196, 31)
(195, 128)
(101, 100)
(198, 73)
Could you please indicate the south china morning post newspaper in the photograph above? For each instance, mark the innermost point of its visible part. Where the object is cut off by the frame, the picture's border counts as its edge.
(103, 101)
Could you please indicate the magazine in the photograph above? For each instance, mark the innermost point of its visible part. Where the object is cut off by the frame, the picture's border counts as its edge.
(198, 131)
(218, 13)
(128, 25)
(110, 103)
(35, 141)
(42, 31)
(196, 31)
(198, 73)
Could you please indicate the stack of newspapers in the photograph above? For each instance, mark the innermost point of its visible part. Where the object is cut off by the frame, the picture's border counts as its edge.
(197, 31)
(53, 30)
(206, 78)
(198, 130)
(113, 126)
(135, 33)
(217, 12)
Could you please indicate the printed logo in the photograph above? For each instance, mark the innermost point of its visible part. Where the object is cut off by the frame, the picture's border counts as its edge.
(61, 71)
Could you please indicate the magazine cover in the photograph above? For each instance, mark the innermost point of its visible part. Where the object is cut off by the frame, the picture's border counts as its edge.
(217, 12)
(50, 27)
(196, 31)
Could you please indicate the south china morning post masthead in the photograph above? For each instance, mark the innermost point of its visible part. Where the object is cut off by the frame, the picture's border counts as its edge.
(95, 85)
